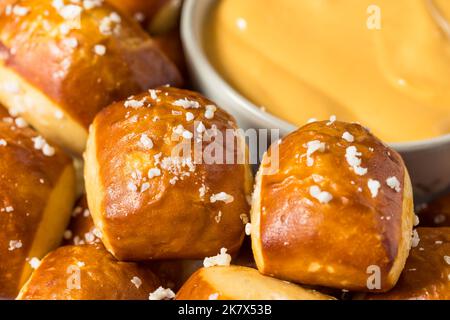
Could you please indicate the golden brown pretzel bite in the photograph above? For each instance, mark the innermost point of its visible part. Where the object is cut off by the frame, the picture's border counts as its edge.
(88, 272)
(338, 209)
(152, 197)
(242, 283)
(427, 272)
(62, 62)
(37, 190)
(436, 213)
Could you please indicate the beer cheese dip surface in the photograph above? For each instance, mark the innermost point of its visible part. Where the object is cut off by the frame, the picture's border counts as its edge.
(383, 63)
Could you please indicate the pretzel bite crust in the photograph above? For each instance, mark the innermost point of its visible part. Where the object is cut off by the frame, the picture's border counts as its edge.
(339, 205)
(37, 191)
(150, 194)
(61, 64)
(241, 283)
(88, 272)
(427, 272)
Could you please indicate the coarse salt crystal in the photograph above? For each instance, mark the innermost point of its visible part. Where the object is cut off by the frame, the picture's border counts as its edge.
(153, 94)
(135, 104)
(99, 49)
(91, 4)
(136, 281)
(132, 187)
(34, 263)
(210, 110)
(186, 104)
(353, 159)
(153, 172)
(447, 259)
(189, 116)
(201, 127)
(221, 196)
(202, 191)
(222, 259)
(313, 146)
(162, 294)
(213, 296)
(20, 122)
(70, 12)
(374, 186)
(332, 120)
(321, 196)
(416, 220)
(20, 11)
(14, 244)
(145, 186)
(248, 229)
(48, 150)
(71, 42)
(146, 141)
(41, 144)
(347, 136)
(393, 183)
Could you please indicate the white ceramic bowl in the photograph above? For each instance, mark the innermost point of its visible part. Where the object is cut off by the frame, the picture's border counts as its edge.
(428, 161)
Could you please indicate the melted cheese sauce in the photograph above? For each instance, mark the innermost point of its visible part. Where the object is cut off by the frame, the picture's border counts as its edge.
(383, 63)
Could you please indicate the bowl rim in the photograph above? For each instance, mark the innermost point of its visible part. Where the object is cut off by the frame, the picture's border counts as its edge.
(194, 48)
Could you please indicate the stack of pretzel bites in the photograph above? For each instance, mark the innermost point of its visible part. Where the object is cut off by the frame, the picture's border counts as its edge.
(169, 207)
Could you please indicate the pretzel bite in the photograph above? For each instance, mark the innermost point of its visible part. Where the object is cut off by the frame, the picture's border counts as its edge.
(241, 283)
(37, 191)
(61, 62)
(427, 272)
(88, 272)
(167, 177)
(436, 213)
(335, 209)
